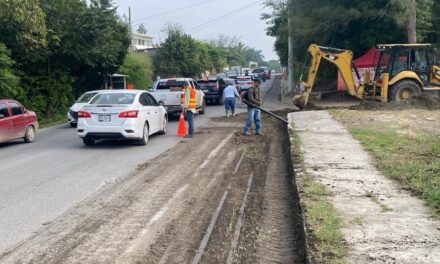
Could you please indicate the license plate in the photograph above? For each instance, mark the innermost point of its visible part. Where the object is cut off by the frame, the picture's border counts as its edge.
(104, 118)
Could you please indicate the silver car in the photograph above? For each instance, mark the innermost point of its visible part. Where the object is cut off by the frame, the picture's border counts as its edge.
(245, 82)
(72, 114)
(121, 114)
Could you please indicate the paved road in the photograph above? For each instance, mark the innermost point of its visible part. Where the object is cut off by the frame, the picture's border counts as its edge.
(42, 180)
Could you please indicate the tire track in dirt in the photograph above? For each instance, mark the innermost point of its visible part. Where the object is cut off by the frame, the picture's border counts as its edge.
(239, 222)
(103, 234)
(182, 236)
(161, 214)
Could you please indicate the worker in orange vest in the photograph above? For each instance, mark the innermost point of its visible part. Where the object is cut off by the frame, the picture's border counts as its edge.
(189, 107)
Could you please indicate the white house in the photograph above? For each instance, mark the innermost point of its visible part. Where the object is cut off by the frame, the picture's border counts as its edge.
(141, 42)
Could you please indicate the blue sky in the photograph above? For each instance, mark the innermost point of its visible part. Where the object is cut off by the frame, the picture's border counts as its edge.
(198, 17)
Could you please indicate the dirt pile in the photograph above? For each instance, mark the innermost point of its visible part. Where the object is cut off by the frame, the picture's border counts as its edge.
(419, 102)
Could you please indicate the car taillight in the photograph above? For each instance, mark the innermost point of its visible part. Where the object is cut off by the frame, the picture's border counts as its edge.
(128, 114)
(250, 83)
(84, 114)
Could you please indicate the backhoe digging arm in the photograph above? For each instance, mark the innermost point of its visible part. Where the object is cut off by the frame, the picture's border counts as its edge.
(342, 59)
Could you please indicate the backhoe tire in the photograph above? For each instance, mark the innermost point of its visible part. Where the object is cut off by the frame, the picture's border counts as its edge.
(404, 90)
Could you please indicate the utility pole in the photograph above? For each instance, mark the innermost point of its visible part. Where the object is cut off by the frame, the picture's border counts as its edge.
(129, 29)
(290, 81)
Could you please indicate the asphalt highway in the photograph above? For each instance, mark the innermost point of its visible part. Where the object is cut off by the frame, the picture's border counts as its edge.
(42, 180)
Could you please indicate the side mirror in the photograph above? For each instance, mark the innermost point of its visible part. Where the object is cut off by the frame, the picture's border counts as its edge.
(2, 116)
(161, 103)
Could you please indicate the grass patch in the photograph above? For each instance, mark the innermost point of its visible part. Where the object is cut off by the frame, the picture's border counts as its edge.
(325, 240)
(413, 161)
(323, 224)
(53, 121)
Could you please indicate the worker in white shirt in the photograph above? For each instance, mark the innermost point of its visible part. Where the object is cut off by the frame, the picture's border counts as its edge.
(229, 94)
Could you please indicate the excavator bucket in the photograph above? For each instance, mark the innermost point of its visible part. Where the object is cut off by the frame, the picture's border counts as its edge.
(300, 101)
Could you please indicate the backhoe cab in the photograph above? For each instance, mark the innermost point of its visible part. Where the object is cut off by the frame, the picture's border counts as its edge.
(402, 70)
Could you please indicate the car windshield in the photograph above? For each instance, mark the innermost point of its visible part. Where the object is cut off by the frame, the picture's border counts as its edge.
(113, 98)
(85, 98)
(170, 85)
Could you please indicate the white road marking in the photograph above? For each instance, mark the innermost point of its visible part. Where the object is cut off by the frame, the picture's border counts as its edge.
(138, 241)
(208, 233)
(239, 221)
(239, 162)
(213, 154)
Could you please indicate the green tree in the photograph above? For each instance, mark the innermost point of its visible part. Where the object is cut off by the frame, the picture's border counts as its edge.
(433, 35)
(274, 64)
(182, 55)
(218, 61)
(8, 80)
(252, 54)
(354, 25)
(61, 48)
(22, 24)
(414, 16)
(106, 37)
(277, 26)
(138, 67)
(141, 29)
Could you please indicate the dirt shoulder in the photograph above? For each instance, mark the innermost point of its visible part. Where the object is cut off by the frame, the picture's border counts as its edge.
(211, 199)
(381, 223)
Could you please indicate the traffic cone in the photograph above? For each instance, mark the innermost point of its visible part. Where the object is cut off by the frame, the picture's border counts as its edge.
(181, 130)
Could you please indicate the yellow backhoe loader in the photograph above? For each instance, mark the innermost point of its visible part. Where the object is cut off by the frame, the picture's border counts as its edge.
(401, 71)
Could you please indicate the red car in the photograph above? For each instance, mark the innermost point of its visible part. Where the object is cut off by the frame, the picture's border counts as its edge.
(16, 122)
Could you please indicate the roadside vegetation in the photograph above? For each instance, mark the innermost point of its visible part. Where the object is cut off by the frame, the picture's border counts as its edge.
(52, 51)
(353, 25)
(57, 119)
(324, 237)
(139, 68)
(183, 55)
(405, 146)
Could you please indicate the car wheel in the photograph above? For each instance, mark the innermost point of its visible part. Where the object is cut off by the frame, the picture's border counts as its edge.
(404, 90)
(88, 141)
(202, 111)
(164, 126)
(144, 140)
(29, 135)
(73, 124)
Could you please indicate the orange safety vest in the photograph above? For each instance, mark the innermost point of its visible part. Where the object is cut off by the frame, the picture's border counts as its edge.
(192, 98)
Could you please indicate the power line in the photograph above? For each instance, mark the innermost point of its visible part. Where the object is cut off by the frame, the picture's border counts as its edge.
(215, 20)
(171, 11)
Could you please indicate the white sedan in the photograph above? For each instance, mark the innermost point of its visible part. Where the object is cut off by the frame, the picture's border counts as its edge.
(121, 114)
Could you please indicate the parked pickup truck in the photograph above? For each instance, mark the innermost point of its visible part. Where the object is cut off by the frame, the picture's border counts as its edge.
(169, 91)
